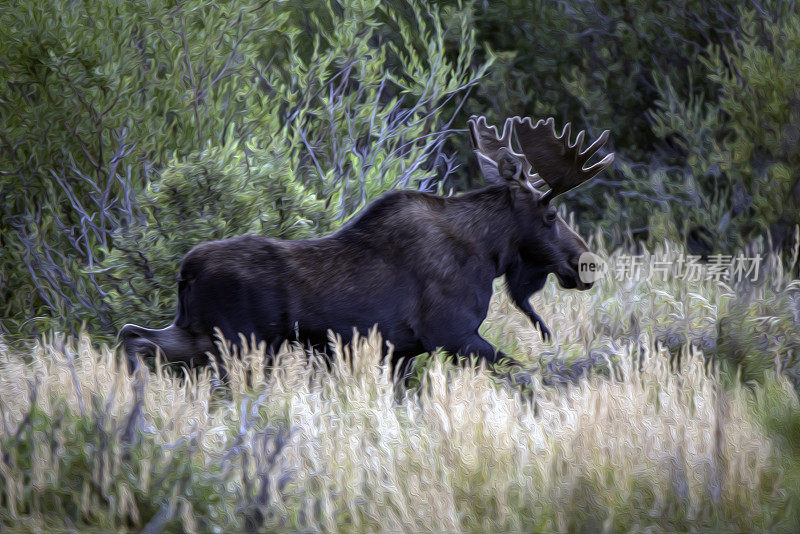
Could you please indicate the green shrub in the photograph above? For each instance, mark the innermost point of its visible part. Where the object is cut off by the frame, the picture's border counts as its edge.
(131, 132)
(338, 102)
(700, 98)
(742, 144)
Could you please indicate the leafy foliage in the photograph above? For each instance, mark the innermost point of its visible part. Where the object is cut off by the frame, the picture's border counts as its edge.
(744, 142)
(700, 98)
(133, 131)
(130, 132)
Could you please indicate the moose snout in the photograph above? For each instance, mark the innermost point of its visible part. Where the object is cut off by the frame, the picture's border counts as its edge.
(584, 278)
(574, 278)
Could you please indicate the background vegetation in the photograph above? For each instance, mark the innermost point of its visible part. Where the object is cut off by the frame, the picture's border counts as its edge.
(133, 131)
(130, 132)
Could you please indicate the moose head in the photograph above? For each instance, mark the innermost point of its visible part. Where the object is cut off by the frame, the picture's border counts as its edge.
(547, 243)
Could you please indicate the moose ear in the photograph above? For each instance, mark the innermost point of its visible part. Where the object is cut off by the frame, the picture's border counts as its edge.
(510, 168)
(507, 169)
(489, 169)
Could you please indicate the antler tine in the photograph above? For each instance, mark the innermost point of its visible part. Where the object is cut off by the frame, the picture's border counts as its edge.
(566, 133)
(491, 148)
(557, 161)
(485, 139)
(594, 147)
(579, 142)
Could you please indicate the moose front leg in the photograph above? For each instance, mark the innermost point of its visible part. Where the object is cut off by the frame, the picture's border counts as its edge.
(535, 318)
(475, 345)
(482, 349)
(520, 289)
(522, 281)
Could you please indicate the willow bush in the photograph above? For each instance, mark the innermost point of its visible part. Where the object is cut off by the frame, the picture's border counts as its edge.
(131, 132)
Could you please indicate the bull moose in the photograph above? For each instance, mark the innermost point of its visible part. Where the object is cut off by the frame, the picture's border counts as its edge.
(418, 265)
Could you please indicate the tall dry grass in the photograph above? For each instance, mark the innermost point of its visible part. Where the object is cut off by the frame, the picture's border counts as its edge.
(304, 448)
(607, 430)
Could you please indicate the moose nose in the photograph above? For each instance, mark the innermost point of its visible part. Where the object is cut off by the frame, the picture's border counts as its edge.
(580, 282)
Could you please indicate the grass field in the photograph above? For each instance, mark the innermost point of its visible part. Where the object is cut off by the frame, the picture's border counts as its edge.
(659, 406)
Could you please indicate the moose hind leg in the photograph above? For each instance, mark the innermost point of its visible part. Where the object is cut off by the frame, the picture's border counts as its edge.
(403, 363)
(472, 345)
(177, 344)
(475, 345)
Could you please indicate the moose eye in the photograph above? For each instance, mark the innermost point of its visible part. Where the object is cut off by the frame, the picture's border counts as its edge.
(550, 218)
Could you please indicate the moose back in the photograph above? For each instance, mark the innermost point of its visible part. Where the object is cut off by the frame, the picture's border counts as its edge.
(417, 265)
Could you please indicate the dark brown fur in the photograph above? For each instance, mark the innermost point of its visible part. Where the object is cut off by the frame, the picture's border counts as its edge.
(418, 265)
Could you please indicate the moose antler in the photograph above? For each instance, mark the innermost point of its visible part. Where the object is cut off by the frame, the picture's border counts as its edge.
(491, 149)
(485, 139)
(557, 161)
